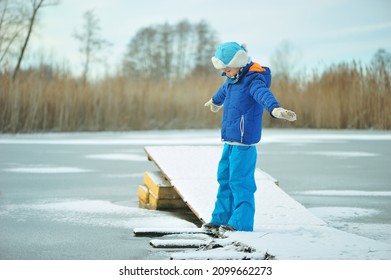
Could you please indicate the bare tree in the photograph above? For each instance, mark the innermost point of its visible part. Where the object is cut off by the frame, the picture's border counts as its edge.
(141, 52)
(382, 61)
(91, 42)
(381, 66)
(284, 60)
(31, 15)
(183, 30)
(166, 43)
(10, 28)
(206, 43)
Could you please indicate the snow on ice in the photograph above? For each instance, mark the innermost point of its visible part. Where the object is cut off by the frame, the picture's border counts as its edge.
(45, 169)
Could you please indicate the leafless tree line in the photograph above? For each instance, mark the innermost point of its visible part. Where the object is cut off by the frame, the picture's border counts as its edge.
(170, 51)
(160, 51)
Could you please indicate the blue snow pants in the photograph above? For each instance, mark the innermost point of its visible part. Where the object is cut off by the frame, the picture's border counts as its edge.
(235, 203)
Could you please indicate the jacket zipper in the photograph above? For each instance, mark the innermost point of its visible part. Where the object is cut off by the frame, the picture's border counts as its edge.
(241, 128)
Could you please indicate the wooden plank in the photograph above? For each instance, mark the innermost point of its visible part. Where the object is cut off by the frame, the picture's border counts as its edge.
(159, 186)
(143, 194)
(161, 231)
(178, 243)
(151, 158)
(160, 204)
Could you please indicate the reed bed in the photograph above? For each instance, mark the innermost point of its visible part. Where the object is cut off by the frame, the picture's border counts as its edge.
(343, 96)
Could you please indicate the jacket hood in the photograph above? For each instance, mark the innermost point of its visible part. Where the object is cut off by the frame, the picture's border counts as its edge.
(263, 70)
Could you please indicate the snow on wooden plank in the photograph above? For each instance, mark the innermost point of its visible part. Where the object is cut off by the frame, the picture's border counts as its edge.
(155, 178)
(159, 186)
(312, 242)
(159, 231)
(184, 162)
(219, 254)
(178, 243)
(192, 170)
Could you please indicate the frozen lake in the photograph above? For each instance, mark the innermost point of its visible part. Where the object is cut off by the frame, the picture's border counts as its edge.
(74, 195)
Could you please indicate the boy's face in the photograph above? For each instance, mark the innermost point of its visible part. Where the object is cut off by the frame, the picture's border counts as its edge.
(230, 72)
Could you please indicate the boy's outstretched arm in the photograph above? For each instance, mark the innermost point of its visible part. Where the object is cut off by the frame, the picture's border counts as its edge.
(262, 94)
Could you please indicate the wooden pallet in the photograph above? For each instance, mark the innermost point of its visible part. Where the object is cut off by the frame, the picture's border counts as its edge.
(157, 193)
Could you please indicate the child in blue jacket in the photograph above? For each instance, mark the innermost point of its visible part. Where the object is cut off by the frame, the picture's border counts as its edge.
(244, 95)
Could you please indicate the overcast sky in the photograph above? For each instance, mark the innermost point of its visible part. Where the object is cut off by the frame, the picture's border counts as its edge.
(320, 32)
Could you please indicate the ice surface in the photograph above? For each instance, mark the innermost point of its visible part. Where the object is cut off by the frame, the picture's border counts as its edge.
(188, 137)
(298, 241)
(125, 175)
(344, 193)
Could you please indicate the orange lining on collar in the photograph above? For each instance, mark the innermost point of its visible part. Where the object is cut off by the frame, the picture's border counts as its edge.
(256, 67)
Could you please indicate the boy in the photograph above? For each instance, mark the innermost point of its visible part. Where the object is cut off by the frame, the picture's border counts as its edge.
(244, 95)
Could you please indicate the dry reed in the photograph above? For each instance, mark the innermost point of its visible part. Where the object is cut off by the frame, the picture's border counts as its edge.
(344, 96)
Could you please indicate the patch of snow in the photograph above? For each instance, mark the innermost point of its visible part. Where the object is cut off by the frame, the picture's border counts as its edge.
(342, 213)
(313, 242)
(127, 157)
(179, 243)
(231, 250)
(92, 212)
(343, 154)
(380, 232)
(44, 169)
(336, 154)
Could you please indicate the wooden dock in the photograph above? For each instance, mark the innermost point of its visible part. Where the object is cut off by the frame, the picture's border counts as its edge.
(187, 178)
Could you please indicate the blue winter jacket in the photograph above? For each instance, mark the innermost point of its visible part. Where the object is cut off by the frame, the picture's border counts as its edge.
(244, 100)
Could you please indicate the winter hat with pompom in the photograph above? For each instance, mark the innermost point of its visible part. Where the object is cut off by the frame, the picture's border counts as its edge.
(230, 54)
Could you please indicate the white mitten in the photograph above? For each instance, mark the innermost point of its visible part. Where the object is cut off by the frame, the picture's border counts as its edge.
(281, 113)
(214, 108)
